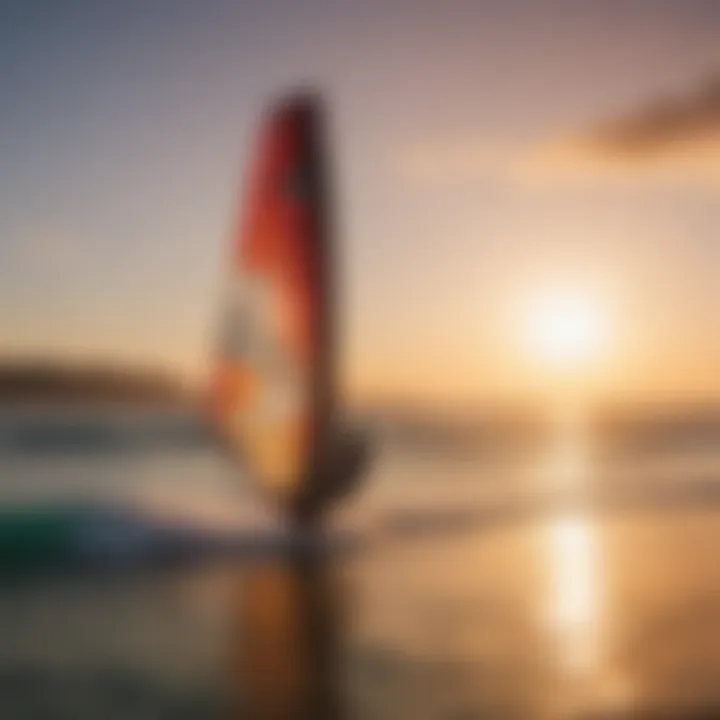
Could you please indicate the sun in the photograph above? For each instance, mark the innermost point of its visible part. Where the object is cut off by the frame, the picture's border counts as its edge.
(566, 327)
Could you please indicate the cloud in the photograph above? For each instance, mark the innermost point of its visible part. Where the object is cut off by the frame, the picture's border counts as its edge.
(664, 125)
(670, 140)
(676, 137)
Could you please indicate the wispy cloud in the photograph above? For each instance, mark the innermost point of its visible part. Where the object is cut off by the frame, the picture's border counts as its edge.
(672, 139)
(675, 137)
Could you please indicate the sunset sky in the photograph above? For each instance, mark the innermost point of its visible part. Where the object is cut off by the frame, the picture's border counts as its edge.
(126, 128)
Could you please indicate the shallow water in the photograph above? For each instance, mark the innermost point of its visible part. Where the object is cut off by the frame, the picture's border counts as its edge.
(558, 589)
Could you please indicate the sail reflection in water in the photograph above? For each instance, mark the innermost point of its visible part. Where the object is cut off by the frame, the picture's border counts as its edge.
(288, 662)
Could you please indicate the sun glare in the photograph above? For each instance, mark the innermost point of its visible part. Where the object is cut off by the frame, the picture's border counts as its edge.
(566, 328)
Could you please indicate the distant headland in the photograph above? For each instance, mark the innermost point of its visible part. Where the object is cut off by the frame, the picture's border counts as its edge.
(52, 382)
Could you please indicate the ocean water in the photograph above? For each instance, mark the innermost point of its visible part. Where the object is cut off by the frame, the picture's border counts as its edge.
(564, 582)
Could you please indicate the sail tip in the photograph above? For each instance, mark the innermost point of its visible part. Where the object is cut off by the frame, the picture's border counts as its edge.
(301, 101)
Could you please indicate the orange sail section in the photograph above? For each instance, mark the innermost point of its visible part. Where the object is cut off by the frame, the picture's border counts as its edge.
(271, 390)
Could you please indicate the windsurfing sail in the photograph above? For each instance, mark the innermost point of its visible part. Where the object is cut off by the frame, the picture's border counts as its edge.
(272, 390)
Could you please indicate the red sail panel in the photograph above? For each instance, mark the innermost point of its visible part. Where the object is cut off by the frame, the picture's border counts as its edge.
(270, 393)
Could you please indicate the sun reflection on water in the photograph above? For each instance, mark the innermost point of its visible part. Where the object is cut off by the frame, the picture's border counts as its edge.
(578, 612)
(574, 600)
